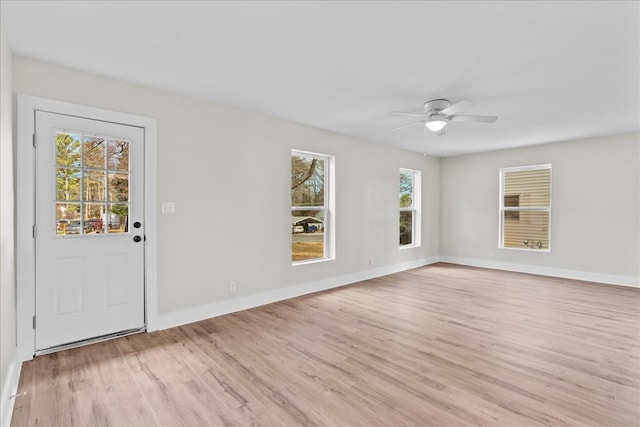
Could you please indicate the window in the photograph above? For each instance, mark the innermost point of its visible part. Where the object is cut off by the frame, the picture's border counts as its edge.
(311, 207)
(525, 207)
(409, 208)
(92, 184)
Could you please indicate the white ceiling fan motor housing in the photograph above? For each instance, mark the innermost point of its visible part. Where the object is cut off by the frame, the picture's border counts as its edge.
(435, 106)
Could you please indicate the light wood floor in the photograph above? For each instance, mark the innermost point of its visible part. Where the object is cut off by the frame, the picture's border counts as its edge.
(436, 346)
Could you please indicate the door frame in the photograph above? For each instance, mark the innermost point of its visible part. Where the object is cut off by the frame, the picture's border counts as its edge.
(25, 208)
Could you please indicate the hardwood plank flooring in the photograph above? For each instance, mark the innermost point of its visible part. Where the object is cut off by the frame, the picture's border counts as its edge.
(440, 345)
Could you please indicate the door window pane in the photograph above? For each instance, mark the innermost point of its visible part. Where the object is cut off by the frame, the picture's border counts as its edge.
(119, 187)
(117, 218)
(67, 184)
(68, 149)
(65, 213)
(94, 214)
(94, 186)
(118, 155)
(94, 152)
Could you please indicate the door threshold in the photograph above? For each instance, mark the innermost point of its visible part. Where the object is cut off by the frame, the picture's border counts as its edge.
(88, 341)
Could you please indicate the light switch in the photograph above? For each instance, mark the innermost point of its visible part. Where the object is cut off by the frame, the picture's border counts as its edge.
(168, 208)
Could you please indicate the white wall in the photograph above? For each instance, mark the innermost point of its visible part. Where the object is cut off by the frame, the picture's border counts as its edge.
(595, 218)
(228, 171)
(8, 365)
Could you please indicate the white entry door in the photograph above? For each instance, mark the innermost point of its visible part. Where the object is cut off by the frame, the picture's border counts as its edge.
(89, 233)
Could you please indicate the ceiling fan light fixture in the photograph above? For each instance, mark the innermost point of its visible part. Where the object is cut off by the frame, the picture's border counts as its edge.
(436, 124)
(438, 113)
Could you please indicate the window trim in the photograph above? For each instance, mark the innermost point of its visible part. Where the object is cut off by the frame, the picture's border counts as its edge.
(502, 209)
(416, 208)
(328, 207)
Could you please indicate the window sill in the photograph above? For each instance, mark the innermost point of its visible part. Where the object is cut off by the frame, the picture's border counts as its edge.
(408, 246)
(526, 249)
(311, 261)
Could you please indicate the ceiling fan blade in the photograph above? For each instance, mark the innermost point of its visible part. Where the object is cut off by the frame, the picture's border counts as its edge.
(452, 109)
(402, 113)
(409, 125)
(479, 119)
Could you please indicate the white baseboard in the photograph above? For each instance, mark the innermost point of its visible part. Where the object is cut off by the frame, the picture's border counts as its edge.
(610, 279)
(195, 314)
(10, 388)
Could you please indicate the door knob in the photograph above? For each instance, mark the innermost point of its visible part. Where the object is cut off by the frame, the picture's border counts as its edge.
(137, 238)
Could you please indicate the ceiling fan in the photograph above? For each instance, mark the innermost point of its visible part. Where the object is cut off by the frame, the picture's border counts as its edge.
(438, 112)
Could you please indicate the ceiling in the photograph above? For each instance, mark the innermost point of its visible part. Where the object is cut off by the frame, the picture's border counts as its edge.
(551, 71)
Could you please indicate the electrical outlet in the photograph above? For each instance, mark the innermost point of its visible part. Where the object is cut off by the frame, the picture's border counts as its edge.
(492, 254)
(370, 261)
(232, 287)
